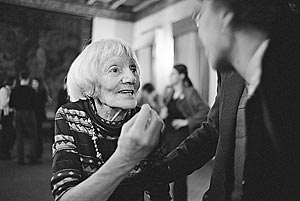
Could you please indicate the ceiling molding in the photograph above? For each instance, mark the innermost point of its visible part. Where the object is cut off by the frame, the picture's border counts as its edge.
(155, 8)
(143, 5)
(72, 8)
(116, 4)
(112, 9)
(92, 2)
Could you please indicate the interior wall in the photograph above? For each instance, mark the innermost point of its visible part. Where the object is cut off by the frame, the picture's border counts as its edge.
(187, 52)
(174, 13)
(110, 28)
(155, 32)
(144, 56)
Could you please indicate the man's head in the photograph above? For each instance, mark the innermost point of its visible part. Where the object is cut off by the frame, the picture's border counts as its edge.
(24, 78)
(148, 87)
(218, 21)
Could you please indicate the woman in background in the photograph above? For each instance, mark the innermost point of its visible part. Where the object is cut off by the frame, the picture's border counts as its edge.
(184, 112)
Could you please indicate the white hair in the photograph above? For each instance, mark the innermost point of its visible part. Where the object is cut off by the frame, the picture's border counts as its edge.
(83, 75)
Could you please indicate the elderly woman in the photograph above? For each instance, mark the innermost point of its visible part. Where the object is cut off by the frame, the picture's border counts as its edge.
(96, 156)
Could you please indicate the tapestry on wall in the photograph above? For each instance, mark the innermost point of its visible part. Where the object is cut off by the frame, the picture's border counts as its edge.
(44, 43)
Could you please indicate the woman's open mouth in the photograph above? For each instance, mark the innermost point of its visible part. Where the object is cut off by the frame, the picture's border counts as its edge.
(128, 92)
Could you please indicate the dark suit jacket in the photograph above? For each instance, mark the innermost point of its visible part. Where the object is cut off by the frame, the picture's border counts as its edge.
(219, 129)
(272, 166)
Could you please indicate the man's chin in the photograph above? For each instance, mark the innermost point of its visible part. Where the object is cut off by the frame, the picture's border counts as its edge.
(221, 66)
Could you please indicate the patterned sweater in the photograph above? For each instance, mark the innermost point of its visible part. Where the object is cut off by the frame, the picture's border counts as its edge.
(84, 141)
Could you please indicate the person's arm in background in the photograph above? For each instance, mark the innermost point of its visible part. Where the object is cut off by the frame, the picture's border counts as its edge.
(202, 109)
(138, 137)
(194, 109)
(4, 97)
(12, 99)
(3, 100)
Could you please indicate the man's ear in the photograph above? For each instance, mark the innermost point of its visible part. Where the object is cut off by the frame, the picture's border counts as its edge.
(226, 19)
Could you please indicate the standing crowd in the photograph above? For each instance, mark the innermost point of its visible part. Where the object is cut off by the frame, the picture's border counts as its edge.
(22, 104)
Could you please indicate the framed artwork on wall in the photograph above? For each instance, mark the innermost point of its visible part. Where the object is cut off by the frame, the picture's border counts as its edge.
(45, 43)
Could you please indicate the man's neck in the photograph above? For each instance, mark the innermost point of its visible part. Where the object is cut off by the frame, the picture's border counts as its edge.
(246, 44)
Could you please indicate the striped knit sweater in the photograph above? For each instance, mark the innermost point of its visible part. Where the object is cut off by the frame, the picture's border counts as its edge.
(83, 141)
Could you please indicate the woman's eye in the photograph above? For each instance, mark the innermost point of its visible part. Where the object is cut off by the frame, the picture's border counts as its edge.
(133, 69)
(115, 69)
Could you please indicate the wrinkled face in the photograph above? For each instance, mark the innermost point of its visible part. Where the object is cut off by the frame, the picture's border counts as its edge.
(175, 77)
(213, 33)
(119, 82)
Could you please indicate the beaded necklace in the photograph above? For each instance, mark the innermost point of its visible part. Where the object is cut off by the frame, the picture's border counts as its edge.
(97, 133)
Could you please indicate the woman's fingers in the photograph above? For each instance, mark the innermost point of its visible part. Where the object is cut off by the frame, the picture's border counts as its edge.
(142, 118)
(141, 134)
(154, 127)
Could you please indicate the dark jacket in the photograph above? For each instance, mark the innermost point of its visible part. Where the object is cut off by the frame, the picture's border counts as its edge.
(272, 125)
(191, 105)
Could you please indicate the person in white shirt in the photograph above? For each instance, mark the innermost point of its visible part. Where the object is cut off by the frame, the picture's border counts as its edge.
(7, 114)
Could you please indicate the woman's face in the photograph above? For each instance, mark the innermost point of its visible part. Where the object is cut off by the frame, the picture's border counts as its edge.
(175, 77)
(119, 82)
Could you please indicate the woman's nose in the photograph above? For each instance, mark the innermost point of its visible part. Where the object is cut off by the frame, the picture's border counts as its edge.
(129, 77)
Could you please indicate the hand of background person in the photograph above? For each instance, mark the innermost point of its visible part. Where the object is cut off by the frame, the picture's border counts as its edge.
(140, 134)
(179, 123)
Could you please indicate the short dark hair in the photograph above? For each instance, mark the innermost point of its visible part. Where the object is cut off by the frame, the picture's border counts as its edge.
(264, 15)
(148, 87)
(24, 75)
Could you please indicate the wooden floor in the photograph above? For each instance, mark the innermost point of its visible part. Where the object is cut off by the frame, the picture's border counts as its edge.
(31, 183)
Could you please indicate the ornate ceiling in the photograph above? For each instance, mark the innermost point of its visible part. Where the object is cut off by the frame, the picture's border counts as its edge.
(129, 10)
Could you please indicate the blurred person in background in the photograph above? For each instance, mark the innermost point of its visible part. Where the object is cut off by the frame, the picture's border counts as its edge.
(184, 112)
(23, 100)
(8, 133)
(96, 154)
(40, 112)
(148, 95)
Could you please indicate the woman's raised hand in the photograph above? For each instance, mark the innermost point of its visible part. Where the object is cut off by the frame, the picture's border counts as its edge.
(140, 134)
